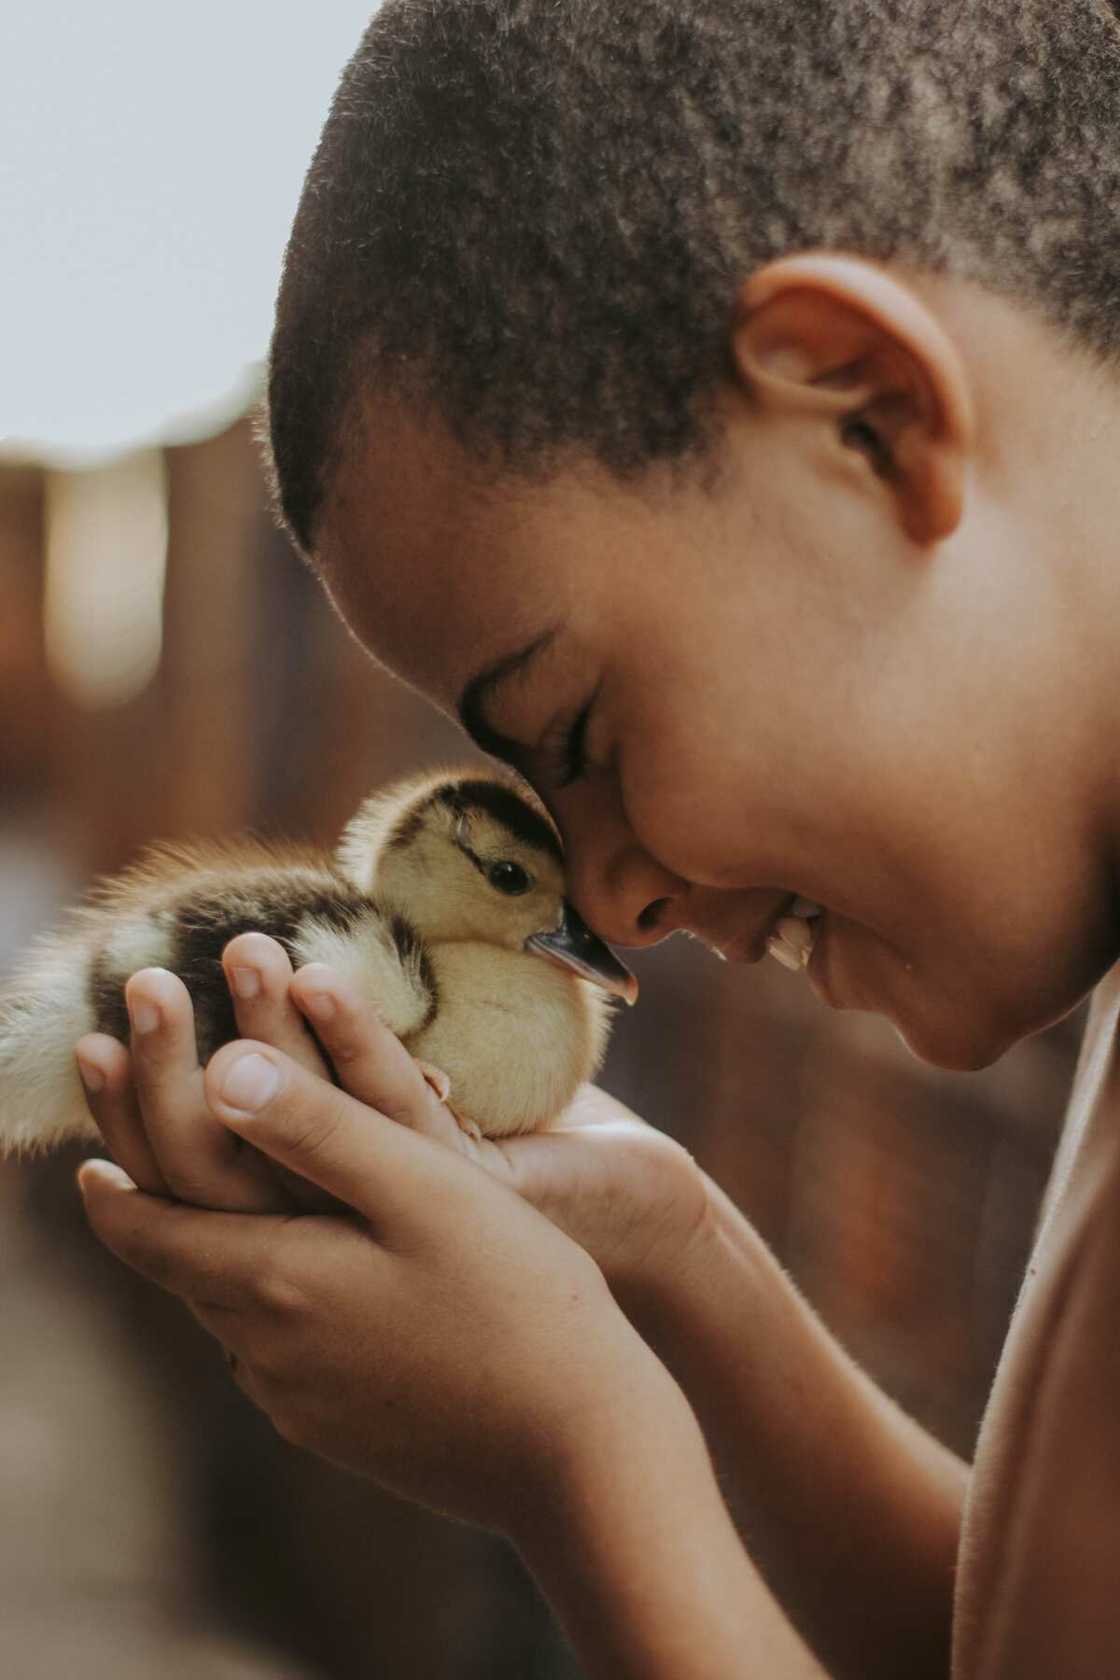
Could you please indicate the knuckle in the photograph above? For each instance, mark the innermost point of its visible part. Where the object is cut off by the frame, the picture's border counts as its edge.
(281, 1294)
(194, 1187)
(149, 1052)
(112, 1101)
(281, 1285)
(405, 1108)
(345, 1042)
(157, 1061)
(196, 1168)
(315, 1130)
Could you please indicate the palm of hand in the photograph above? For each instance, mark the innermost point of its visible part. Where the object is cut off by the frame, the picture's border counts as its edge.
(627, 1194)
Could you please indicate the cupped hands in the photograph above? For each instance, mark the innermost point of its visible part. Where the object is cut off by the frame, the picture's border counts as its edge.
(388, 1301)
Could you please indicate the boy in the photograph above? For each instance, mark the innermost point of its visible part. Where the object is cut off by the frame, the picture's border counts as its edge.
(715, 404)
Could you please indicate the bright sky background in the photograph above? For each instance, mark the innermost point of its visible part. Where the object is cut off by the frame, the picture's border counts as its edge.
(150, 161)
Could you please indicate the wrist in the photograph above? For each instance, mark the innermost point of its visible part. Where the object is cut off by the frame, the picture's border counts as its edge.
(658, 1286)
(678, 1228)
(604, 1473)
(638, 1555)
(621, 1393)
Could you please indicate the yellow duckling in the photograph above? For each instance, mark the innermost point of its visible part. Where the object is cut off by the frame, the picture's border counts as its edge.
(444, 903)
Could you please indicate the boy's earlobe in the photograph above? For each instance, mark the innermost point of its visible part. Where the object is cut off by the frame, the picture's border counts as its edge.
(842, 340)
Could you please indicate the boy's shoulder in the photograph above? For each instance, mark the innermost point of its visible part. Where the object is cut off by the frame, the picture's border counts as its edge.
(1089, 1101)
(1037, 1578)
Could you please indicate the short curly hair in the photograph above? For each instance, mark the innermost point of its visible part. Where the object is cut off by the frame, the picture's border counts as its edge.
(533, 216)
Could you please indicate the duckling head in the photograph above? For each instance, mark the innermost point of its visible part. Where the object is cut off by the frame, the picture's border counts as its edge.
(469, 857)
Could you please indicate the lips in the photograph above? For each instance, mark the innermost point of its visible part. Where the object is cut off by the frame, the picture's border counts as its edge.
(742, 947)
(787, 935)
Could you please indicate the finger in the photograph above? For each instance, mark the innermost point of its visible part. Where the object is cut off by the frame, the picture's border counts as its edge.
(259, 975)
(199, 1159)
(386, 1172)
(222, 1259)
(106, 1073)
(370, 1062)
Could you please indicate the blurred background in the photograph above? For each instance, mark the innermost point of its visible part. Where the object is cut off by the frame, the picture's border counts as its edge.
(167, 668)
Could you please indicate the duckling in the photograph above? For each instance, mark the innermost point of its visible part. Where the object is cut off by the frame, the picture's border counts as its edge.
(443, 904)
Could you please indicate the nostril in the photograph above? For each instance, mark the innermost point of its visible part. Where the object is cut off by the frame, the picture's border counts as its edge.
(650, 917)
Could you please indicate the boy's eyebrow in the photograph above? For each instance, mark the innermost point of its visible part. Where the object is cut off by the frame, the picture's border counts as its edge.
(480, 691)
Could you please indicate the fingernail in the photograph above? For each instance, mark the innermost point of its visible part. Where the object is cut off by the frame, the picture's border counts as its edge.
(251, 1082)
(92, 1077)
(144, 1015)
(105, 1171)
(320, 1004)
(246, 982)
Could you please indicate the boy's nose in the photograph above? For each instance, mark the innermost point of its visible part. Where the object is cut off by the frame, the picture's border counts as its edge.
(624, 894)
(623, 923)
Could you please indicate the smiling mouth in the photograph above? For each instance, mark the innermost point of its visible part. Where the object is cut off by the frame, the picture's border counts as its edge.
(792, 941)
(789, 938)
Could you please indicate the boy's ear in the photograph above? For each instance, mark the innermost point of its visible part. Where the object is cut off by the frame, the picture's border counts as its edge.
(842, 339)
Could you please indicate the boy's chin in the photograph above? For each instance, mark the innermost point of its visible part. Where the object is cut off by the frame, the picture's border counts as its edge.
(949, 1035)
(954, 1048)
(960, 1039)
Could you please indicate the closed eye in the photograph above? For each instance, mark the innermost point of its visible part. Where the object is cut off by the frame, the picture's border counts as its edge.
(567, 761)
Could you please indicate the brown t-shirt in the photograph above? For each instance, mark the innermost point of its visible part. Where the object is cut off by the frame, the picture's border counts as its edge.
(1038, 1582)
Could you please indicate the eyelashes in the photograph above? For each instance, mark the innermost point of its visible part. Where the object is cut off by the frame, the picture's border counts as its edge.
(575, 748)
(565, 758)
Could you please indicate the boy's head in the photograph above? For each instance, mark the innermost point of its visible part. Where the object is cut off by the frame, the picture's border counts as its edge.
(557, 353)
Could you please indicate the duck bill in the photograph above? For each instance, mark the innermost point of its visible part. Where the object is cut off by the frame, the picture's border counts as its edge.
(574, 946)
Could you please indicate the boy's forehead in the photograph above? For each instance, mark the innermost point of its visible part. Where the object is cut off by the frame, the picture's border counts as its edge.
(438, 570)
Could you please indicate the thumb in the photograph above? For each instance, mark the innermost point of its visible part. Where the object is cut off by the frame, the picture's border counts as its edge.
(321, 1133)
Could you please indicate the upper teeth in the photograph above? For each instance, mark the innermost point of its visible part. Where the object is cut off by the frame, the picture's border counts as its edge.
(791, 942)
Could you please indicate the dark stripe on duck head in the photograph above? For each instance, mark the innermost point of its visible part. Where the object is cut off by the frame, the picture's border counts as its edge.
(506, 807)
(408, 828)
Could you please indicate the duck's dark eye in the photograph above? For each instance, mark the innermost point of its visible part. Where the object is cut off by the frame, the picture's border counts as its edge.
(509, 878)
